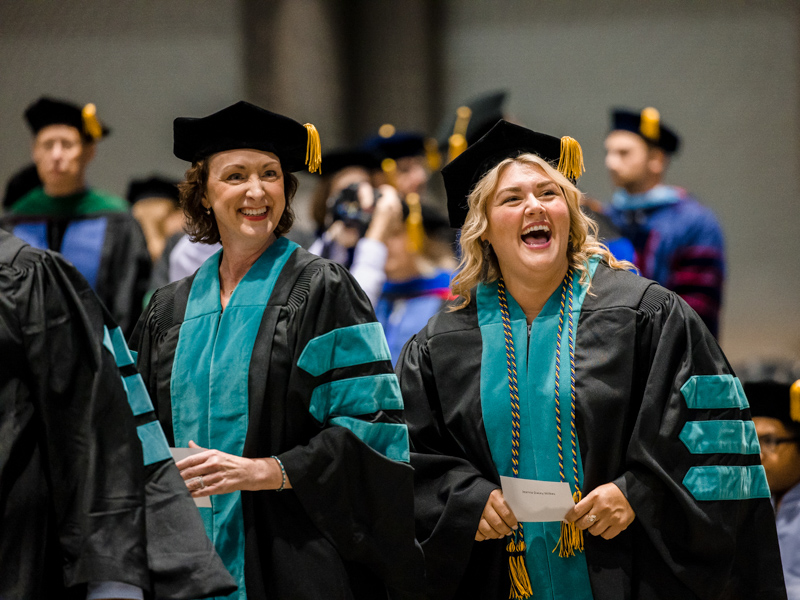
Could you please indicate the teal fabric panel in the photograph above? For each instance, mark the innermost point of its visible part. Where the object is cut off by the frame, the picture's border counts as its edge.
(727, 482)
(714, 391)
(121, 352)
(134, 355)
(107, 342)
(209, 385)
(138, 397)
(356, 396)
(553, 577)
(345, 347)
(154, 443)
(727, 437)
(390, 439)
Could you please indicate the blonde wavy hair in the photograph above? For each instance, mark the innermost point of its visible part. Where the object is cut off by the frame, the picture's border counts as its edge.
(476, 266)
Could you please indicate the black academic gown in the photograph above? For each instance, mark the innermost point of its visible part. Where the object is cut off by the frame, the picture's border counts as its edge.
(118, 267)
(345, 530)
(636, 345)
(76, 502)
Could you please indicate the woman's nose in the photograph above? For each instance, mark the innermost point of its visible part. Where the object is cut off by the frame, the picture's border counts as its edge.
(255, 188)
(532, 205)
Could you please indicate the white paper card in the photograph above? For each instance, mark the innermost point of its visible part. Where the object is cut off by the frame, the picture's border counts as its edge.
(179, 454)
(537, 501)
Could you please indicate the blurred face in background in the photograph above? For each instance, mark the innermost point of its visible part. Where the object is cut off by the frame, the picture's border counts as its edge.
(412, 175)
(61, 156)
(632, 164)
(780, 454)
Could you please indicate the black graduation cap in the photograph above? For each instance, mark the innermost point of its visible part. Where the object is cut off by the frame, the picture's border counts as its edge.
(153, 187)
(481, 114)
(244, 125)
(49, 111)
(504, 140)
(772, 398)
(22, 182)
(338, 160)
(647, 124)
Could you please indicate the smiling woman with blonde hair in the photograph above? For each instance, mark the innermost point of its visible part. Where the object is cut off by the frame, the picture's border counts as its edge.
(559, 367)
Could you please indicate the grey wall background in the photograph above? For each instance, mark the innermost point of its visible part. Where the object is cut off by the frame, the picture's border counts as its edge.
(142, 63)
(724, 73)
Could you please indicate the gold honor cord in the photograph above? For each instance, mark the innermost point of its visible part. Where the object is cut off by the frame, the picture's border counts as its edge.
(571, 539)
(313, 150)
(517, 569)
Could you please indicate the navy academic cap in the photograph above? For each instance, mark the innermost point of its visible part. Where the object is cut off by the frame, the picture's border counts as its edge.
(338, 160)
(504, 140)
(399, 144)
(153, 187)
(49, 111)
(646, 123)
(246, 126)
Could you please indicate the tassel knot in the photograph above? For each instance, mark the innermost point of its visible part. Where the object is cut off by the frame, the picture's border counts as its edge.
(571, 539)
(517, 570)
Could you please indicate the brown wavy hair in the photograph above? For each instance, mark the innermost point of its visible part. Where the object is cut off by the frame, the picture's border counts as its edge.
(479, 265)
(201, 227)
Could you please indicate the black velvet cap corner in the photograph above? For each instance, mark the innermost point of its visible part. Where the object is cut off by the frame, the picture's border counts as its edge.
(50, 111)
(769, 398)
(239, 126)
(628, 120)
(486, 110)
(153, 187)
(504, 140)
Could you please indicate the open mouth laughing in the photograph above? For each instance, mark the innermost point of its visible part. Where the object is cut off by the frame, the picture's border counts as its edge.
(536, 235)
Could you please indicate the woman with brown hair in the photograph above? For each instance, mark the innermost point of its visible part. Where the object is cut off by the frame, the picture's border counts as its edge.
(269, 364)
(557, 367)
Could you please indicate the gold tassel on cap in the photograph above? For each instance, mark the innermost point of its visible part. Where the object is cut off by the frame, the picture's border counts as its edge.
(794, 401)
(313, 150)
(414, 228)
(571, 539)
(432, 154)
(389, 168)
(517, 570)
(570, 163)
(91, 126)
(650, 124)
(458, 141)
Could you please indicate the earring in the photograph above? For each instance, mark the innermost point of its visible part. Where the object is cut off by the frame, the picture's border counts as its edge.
(486, 248)
(208, 211)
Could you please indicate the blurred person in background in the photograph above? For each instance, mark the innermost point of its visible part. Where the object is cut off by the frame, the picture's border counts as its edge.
(774, 397)
(93, 230)
(678, 242)
(154, 204)
(91, 504)
(418, 266)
